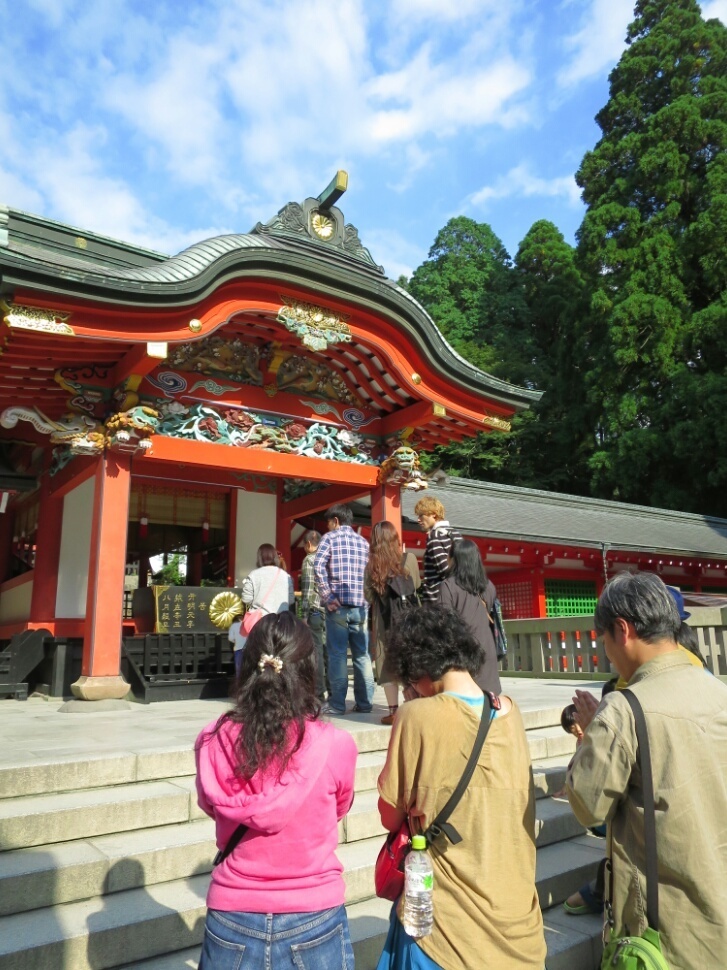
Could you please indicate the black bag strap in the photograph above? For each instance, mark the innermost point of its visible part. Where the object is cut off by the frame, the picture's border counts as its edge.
(643, 756)
(440, 824)
(233, 843)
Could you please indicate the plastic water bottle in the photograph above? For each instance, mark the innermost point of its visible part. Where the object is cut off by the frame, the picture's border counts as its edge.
(417, 916)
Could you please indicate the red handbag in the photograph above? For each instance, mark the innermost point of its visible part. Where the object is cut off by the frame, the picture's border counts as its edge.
(389, 870)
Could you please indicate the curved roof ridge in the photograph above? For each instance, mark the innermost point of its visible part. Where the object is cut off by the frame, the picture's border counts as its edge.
(173, 269)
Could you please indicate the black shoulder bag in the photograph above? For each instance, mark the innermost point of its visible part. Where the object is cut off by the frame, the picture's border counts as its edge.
(234, 840)
(639, 952)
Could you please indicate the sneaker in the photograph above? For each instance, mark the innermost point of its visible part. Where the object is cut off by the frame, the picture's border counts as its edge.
(359, 710)
(331, 711)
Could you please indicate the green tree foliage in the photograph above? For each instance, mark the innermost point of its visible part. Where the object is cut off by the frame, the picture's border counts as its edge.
(517, 322)
(468, 287)
(170, 574)
(652, 243)
(554, 440)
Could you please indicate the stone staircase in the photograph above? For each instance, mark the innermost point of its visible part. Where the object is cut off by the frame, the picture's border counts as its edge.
(111, 869)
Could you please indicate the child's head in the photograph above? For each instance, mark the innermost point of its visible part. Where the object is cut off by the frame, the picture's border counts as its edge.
(568, 721)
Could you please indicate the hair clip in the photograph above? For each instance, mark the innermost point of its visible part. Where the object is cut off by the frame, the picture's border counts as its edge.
(268, 660)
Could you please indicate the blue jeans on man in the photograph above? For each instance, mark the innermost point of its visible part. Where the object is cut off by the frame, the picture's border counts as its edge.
(346, 629)
(317, 622)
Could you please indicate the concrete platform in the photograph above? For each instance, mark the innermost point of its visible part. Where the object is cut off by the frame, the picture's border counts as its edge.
(36, 734)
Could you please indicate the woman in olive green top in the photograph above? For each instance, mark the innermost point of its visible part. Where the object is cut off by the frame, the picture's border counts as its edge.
(486, 911)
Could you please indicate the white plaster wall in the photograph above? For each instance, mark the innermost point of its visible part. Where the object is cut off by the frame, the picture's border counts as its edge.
(15, 602)
(75, 551)
(256, 521)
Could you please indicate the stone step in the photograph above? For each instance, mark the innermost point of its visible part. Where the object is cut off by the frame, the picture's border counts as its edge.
(44, 875)
(73, 773)
(45, 819)
(107, 931)
(161, 927)
(68, 815)
(562, 867)
(554, 820)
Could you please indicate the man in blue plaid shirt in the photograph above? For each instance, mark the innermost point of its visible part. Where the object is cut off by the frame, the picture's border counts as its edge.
(339, 570)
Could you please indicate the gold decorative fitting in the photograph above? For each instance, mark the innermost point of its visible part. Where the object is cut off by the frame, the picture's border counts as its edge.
(195, 326)
(497, 423)
(439, 410)
(39, 319)
(81, 243)
(316, 326)
(224, 608)
(323, 226)
(416, 378)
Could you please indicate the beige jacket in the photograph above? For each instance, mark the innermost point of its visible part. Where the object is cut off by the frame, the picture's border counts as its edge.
(686, 718)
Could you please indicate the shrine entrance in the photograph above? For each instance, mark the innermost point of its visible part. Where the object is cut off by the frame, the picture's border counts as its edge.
(199, 406)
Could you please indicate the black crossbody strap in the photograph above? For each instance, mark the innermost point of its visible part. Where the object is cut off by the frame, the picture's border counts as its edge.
(647, 782)
(440, 823)
(233, 843)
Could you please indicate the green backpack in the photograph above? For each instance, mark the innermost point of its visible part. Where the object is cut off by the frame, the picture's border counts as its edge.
(640, 952)
(635, 952)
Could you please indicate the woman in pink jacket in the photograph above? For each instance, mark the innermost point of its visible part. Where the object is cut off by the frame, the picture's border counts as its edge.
(273, 768)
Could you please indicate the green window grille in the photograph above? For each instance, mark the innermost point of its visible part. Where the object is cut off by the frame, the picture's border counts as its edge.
(570, 597)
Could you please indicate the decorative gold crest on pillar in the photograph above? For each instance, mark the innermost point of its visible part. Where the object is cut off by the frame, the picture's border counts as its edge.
(316, 326)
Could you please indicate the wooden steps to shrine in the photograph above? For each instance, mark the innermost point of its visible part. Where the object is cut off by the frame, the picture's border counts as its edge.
(112, 869)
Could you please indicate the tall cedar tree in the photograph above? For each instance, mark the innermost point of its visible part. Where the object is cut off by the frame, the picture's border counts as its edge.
(653, 244)
(552, 441)
(471, 291)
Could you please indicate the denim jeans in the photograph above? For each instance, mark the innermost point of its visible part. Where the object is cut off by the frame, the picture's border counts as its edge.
(266, 941)
(317, 623)
(346, 628)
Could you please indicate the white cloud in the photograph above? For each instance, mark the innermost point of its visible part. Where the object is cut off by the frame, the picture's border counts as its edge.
(72, 185)
(716, 9)
(426, 98)
(600, 41)
(397, 255)
(520, 181)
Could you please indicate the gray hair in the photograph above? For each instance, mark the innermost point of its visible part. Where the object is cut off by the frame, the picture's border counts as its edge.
(313, 537)
(641, 599)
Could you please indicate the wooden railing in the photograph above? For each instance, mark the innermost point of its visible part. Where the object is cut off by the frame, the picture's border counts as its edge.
(569, 645)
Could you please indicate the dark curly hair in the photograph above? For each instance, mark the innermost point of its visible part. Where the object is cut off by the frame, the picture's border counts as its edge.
(272, 708)
(430, 641)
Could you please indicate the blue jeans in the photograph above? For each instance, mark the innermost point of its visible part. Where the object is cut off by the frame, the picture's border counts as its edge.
(317, 623)
(293, 941)
(346, 627)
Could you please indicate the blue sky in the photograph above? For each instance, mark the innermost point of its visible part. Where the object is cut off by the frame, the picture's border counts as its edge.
(165, 122)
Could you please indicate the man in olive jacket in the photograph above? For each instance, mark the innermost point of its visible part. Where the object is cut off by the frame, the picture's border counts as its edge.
(686, 716)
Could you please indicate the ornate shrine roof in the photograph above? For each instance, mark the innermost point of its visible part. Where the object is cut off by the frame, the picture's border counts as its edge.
(305, 245)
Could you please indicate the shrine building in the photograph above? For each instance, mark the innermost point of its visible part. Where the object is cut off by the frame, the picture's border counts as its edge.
(200, 405)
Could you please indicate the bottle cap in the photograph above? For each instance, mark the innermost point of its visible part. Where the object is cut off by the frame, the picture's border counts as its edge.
(418, 842)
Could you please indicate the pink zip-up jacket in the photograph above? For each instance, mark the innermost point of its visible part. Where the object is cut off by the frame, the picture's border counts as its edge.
(286, 863)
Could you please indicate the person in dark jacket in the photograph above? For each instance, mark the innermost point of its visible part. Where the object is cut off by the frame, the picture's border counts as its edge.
(469, 592)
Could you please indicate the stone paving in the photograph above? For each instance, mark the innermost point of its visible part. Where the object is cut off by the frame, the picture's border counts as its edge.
(35, 731)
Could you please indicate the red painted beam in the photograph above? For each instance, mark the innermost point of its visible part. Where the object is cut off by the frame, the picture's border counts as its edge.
(200, 454)
(324, 498)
